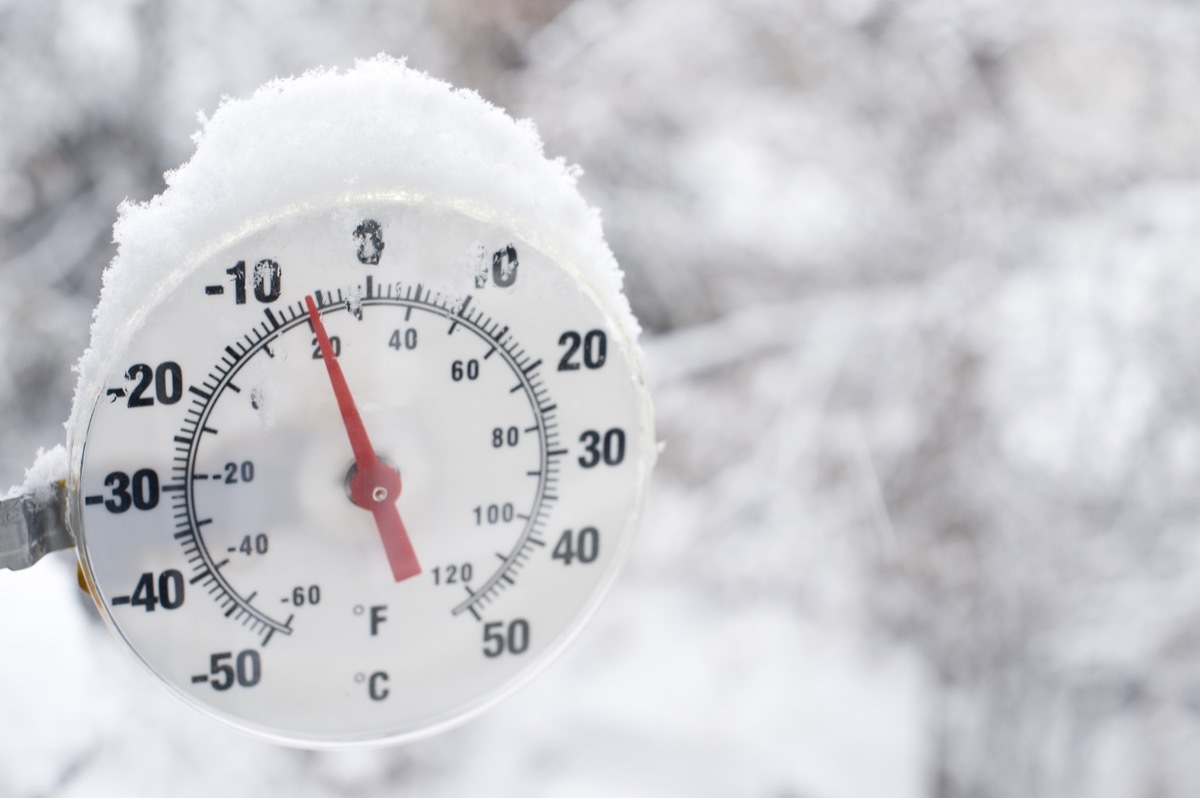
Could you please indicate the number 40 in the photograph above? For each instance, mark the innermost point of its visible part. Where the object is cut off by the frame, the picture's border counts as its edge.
(583, 546)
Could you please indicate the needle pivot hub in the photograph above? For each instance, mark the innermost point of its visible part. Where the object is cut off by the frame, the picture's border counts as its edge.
(373, 485)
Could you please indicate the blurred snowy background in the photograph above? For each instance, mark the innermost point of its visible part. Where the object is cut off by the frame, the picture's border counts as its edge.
(920, 286)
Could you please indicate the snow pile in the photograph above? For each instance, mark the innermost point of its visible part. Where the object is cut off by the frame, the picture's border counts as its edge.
(49, 466)
(379, 130)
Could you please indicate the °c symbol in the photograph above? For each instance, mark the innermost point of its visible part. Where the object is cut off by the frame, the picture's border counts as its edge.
(377, 686)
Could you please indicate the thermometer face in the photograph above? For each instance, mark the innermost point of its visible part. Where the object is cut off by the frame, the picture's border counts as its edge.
(368, 523)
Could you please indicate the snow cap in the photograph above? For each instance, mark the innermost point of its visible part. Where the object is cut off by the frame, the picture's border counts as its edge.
(381, 129)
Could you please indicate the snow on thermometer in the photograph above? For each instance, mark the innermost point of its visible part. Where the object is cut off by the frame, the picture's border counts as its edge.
(362, 436)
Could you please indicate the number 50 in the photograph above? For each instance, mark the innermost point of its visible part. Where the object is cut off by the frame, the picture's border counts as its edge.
(500, 638)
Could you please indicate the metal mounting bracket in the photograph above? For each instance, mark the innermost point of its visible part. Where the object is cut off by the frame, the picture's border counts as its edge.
(33, 525)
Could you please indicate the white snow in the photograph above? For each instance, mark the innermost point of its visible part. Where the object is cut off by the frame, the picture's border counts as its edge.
(49, 466)
(379, 128)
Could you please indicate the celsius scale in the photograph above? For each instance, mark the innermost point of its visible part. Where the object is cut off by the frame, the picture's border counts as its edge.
(362, 436)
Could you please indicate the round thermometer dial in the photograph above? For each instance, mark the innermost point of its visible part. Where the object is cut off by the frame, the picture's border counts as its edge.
(361, 470)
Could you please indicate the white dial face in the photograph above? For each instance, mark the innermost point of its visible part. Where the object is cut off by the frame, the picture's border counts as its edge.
(367, 525)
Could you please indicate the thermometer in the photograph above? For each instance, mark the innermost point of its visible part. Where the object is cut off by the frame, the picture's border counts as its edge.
(362, 437)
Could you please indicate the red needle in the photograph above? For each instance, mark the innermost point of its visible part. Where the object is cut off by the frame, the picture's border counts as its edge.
(375, 486)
